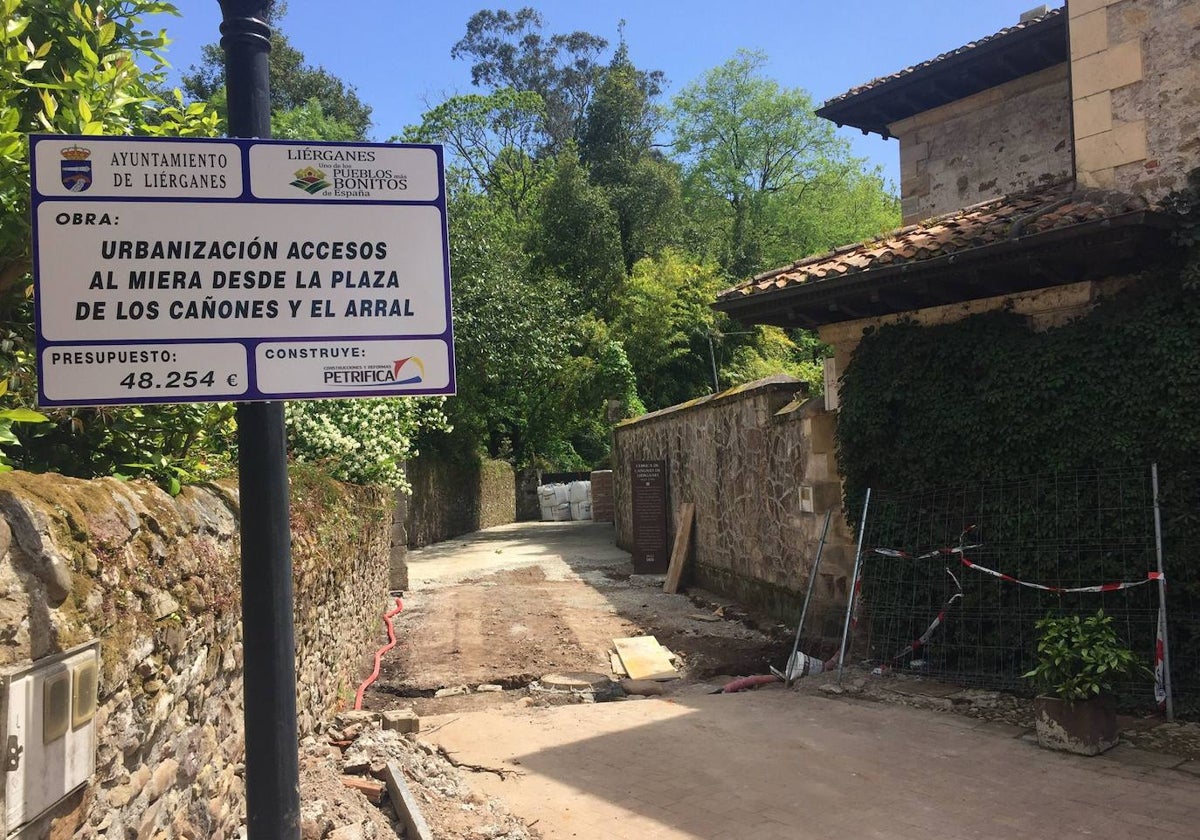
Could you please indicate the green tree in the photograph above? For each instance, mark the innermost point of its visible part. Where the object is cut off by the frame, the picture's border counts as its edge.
(493, 143)
(665, 319)
(577, 237)
(757, 152)
(618, 149)
(294, 84)
(674, 337)
(509, 50)
(510, 335)
(310, 122)
(78, 69)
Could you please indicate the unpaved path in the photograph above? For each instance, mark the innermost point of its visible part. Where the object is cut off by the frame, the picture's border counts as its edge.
(510, 604)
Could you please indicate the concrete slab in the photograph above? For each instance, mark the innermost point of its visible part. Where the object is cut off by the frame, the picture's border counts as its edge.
(786, 765)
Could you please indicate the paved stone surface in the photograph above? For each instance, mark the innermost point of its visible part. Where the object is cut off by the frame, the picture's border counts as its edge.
(778, 765)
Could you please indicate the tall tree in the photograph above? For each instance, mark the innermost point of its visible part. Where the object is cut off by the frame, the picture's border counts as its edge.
(759, 149)
(577, 237)
(493, 141)
(294, 83)
(618, 148)
(509, 50)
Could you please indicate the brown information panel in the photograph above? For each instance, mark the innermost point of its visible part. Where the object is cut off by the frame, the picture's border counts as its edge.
(650, 551)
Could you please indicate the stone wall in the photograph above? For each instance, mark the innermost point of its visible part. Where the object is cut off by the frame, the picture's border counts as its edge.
(156, 580)
(1135, 74)
(1001, 140)
(758, 462)
(452, 496)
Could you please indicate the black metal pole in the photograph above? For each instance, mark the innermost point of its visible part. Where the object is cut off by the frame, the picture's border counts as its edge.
(268, 633)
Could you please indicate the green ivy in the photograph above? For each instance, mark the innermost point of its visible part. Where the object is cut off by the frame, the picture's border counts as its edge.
(990, 398)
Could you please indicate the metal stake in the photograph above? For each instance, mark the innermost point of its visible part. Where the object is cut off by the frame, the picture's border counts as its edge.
(812, 579)
(712, 357)
(1162, 594)
(862, 528)
(268, 632)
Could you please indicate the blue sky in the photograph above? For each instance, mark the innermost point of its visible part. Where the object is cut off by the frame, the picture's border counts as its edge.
(397, 53)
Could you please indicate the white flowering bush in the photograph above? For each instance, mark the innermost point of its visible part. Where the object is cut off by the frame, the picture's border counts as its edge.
(364, 441)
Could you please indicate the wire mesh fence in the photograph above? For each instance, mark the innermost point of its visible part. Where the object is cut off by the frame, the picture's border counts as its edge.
(950, 578)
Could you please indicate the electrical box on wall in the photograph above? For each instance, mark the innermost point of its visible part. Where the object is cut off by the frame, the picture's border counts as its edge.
(47, 731)
(806, 499)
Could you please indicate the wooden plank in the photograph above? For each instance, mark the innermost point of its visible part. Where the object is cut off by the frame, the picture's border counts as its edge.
(617, 668)
(405, 804)
(679, 552)
(645, 659)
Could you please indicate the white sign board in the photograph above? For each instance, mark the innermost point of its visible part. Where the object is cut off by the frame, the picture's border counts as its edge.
(183, 270)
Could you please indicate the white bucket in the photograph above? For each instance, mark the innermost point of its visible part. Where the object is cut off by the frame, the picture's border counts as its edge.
(801, 665)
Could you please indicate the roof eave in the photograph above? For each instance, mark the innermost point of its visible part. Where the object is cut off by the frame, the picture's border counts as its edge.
(875, 292)
(853, 110)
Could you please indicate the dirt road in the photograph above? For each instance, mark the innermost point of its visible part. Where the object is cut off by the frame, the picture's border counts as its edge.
(508, 605)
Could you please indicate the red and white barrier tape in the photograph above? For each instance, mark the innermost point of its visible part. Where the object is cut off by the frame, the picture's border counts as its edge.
(970, 564)
(1103, 587)
(920, 642)
(1160, 686)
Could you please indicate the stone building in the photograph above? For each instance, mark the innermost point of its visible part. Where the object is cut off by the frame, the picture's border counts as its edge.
(1033, 162)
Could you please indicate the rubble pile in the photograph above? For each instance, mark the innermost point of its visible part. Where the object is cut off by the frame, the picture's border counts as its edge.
(345, 797)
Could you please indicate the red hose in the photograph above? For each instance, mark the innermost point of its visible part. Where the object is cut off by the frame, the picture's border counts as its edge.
(743, 683)
(387, 619)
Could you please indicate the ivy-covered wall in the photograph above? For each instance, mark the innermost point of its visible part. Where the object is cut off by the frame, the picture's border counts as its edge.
(991, 396)
(988, 396)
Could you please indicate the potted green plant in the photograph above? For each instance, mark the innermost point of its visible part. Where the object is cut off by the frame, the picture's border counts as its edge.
(1078, 661)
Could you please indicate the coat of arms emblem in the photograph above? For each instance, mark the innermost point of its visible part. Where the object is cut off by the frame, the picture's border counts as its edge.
(76, 168)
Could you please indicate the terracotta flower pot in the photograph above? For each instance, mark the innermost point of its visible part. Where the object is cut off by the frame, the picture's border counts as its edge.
(1085, 727)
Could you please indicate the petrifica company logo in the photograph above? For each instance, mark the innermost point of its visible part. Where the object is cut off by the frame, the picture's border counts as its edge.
(409, 371)
(76, 168)
(311, 180)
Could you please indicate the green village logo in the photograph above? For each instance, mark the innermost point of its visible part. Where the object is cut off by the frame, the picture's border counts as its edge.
(311, 180)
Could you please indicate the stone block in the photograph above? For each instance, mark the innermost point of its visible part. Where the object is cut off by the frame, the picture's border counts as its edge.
(1079, 8)
(915, 186)
(402, 720)
(821, 467)
(1097, 178)
(821, 430)
(1093, 114)
(1129, 143)
(910, 153)
(1125, 143)
(1117, 66)
(1089, 33)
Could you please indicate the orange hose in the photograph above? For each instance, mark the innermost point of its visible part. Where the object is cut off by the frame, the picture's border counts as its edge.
(387, 619)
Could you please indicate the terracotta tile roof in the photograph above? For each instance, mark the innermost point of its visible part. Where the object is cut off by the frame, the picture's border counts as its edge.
(1056, 206)
(961, 51)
